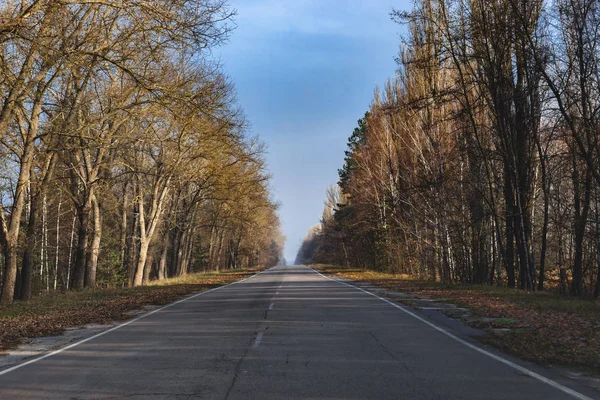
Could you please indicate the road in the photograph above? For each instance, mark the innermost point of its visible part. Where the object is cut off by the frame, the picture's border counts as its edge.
(286, 333)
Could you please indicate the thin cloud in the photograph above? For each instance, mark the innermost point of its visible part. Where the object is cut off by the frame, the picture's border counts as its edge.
(347, 18)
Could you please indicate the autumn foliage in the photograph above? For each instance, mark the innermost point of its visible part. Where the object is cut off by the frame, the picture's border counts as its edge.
(125, 157)
(479, 161)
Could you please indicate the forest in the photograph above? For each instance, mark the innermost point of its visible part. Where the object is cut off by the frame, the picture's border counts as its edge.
(478, 162)
(124, 155)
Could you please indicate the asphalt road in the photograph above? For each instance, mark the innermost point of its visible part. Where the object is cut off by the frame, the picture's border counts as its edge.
(287, 333)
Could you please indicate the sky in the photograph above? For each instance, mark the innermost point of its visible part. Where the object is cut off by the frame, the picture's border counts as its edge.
(305, 71)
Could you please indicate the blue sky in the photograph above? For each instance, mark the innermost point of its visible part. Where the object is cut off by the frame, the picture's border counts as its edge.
(305, 72)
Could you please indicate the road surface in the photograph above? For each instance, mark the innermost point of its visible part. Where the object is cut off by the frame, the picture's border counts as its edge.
(286, 333)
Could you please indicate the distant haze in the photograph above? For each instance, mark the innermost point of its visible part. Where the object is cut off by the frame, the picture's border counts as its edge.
(305, 71)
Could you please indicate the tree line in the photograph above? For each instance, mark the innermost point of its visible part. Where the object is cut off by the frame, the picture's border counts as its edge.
(124, 155)
(479, 161)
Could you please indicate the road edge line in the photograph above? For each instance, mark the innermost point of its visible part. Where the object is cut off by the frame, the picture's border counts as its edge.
(496, 357)
(114, 328)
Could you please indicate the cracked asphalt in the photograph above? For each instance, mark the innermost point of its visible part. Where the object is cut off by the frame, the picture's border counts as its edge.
(287, 333)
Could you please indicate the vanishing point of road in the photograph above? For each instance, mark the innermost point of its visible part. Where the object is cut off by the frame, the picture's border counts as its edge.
(286, 333)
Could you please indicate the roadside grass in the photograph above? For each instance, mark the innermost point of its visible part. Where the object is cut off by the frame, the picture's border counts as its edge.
(544, 327)
(51, 314)
(505, 321)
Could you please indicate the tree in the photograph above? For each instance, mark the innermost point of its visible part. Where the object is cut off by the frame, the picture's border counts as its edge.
(120, 108)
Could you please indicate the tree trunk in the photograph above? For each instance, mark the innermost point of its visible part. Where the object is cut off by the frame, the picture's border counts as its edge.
(57, 243)
(10, 231)
(123, 238)
(10, 273)
(83, 238)
(149, 223)
(580, 225)
(596, 294)
(188, 254)
(180, 252)
(141, 262)
(27, 263)
(133, 248)
(162, 266)
(44, 246)
(582, 206)
(69, 264)
(543, 250)
(546, 191)
(144, 240)
(509, 260)
(175, 236)
(94, 250)
(148, 269)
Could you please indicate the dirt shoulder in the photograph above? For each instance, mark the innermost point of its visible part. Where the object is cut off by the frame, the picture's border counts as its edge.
(48, 315)
(542, 326)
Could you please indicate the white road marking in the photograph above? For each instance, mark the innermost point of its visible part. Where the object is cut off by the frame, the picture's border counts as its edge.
(271, 306)
(504, 361)
(55, 352)
(278, 288)
(258, 339)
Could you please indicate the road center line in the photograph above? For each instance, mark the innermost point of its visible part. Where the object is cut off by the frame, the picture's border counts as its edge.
(258, 339)
(55, 352)
(503, 360)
